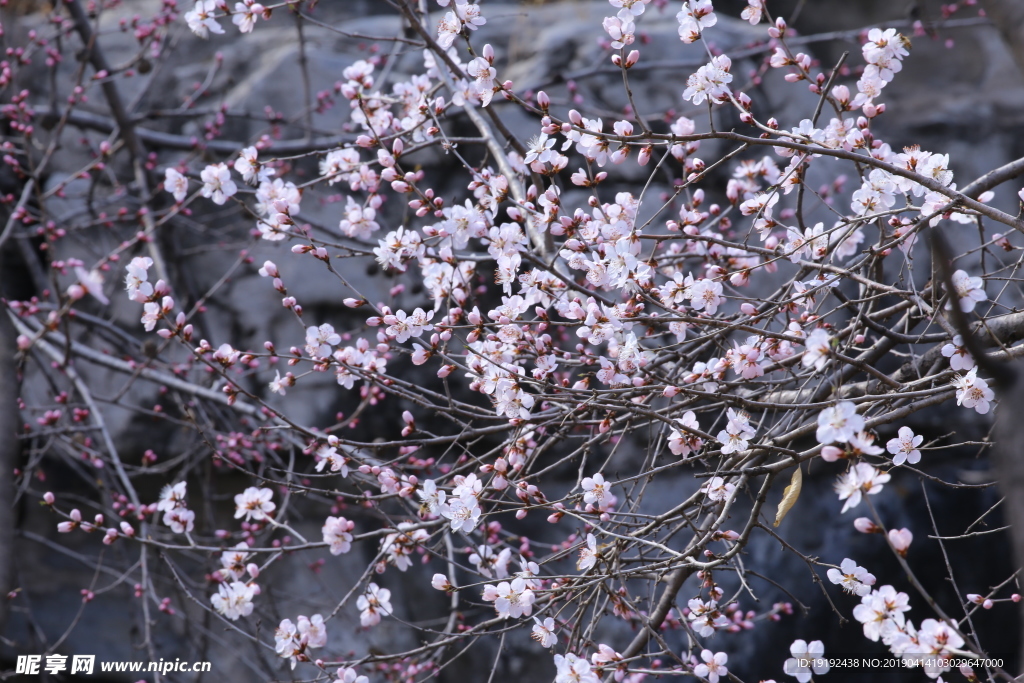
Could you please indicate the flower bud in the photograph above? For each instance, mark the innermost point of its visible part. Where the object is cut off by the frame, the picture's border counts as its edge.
(831, 453)
(866, 526)
(645, 155)
(900, 540)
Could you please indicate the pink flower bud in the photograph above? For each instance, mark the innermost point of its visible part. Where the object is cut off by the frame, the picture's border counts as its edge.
(831, 453)
(866, 526)
(48, 498)
(900, 540)
(645, 155)
(748, 308)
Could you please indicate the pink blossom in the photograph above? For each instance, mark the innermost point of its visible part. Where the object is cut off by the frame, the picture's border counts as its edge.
(320, 339)
(245, 15)
(958, 355)
(254, 504)
(337, 534)
(852, 578)
(253, 172)
(904, 447)
(233, 600)
(462, 512)
(861, 479)
(970, 290)
(376, 601)
(713, 667)
(588, 554)
(681, 441)
(137, 280)
(818, 346)
(511, 598)
(718, 490)
(545, 632)
(803, 651)
(839, 423)
(201, 19)
(349, 675)
(710, 82)
(752, 12)
(217, 183)
(176, 184)
(973, 391)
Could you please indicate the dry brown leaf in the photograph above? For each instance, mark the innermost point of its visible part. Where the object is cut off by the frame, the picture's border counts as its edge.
(790, 495)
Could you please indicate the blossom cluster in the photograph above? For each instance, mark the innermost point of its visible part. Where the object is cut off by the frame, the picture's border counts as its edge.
(549, 343)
